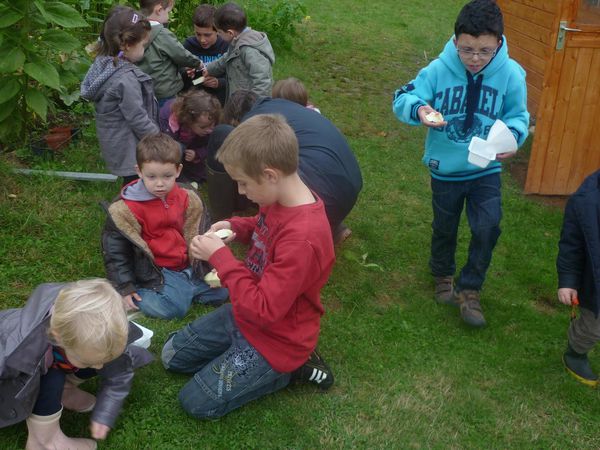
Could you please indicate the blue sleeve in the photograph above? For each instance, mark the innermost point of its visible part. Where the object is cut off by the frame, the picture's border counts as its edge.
(515, 114)
(411, 96)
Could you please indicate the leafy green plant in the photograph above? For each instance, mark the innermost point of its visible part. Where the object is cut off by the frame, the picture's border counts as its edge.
(41, 61)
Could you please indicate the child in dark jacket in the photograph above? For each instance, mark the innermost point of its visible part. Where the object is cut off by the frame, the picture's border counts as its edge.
(146, 237)
(190, 120)
(65, 334)
(578, 276)
(207, 46)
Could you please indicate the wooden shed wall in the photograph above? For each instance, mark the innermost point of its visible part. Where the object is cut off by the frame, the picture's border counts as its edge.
(530, 27)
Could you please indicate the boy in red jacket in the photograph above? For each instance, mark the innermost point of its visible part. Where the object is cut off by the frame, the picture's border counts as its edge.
(267, 336)
(147, 234)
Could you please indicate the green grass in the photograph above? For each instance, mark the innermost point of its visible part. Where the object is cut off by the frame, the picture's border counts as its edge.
(409, 374)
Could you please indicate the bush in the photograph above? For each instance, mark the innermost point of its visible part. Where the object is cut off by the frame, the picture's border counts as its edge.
(42, 64)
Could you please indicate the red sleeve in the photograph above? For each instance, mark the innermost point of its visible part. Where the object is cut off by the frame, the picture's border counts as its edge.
(243, 227)
(266, 300)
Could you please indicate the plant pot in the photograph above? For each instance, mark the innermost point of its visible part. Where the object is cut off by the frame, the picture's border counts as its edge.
(58, 137)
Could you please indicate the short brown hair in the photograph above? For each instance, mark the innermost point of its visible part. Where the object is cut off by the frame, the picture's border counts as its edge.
(263, 141)
(204, 16)
(158, 147)
(194, 103)
(122, 26)
(238, 105)
(147, 6)
(230, 16)
(291, 89)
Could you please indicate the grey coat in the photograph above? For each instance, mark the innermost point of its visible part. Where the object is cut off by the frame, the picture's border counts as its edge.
(248, 64)
(126, 110)
(23, 346)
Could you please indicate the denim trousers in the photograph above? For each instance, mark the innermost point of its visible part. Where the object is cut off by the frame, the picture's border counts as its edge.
(484, 212)
(227, 371)
(177, 294)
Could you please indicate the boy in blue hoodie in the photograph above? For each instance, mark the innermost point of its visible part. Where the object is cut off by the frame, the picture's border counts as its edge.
(472, 84)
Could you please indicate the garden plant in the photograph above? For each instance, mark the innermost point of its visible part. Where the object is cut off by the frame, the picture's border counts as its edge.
(409, 373)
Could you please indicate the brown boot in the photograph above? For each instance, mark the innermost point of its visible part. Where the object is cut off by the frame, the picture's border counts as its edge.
(45, 434)
(470, 308)
(444, 290)
(75, 399)
(222, 194)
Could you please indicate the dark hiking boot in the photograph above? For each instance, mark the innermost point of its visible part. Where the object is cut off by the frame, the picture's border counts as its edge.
(315, 370)
(470, 308)
(222, 194)
(444, 290)
(578, 365)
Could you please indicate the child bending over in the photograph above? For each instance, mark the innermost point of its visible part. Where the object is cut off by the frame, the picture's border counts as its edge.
(190, 120)
(64, 335)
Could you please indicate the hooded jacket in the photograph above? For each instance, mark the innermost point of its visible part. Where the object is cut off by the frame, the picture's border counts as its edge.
(23, 346)
(248, 63)
(163, 57)
(126, 110)
(499, 91)
(208, 55)
(578, 262)
(128, 258)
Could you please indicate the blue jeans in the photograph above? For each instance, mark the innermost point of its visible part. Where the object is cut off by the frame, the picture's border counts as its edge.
(228, 371)
(177, 294)
(484, 212)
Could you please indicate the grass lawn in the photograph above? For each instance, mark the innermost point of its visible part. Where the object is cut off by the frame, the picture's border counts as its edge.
(409, 374)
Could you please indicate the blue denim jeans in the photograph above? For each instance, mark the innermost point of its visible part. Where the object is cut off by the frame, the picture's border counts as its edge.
(228, 371)
(484, 212)
(177, 294)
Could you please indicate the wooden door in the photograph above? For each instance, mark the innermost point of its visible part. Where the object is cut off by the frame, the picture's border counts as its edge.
(566, 145)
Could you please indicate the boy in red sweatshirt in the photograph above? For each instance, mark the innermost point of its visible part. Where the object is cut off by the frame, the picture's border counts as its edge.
(268, 335)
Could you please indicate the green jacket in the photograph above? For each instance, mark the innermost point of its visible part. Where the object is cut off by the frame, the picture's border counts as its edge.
(163, 57)
(248, 64)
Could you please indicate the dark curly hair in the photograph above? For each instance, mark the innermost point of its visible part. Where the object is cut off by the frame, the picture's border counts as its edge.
(480, 17)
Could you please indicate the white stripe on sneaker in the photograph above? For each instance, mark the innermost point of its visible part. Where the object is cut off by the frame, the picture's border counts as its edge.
(314, 374)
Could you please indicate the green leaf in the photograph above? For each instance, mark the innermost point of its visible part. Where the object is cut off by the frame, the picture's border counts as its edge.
(8, 89)
(9, 17)
(6, 110)
(43, 72)
(12, 60)
(37, 102)
(63, 15)
(69, 99)
(60, 40)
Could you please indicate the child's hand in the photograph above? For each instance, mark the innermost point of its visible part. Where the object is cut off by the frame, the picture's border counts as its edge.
(505, 155)
(203, 246)
(189, 154)
(99, 430)
(423, 111)
(190, 72)
(210, 82)
(220, 225)
(129, 303)
(567, 295)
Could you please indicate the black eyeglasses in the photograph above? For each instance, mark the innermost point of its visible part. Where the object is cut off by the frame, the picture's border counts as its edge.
(483, 54)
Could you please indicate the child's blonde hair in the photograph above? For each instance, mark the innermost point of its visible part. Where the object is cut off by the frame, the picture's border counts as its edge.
(192, 104)
(263, 141)
(291, 89)
(89, 316)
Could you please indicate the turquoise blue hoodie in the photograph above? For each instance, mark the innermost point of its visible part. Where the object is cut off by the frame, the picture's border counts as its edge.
(443, 85)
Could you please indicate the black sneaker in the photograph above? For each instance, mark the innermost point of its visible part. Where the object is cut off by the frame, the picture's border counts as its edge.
(578, 365)
(315, 370)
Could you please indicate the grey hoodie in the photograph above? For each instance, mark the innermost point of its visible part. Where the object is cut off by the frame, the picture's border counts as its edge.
(126, 110)
(248, 64)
